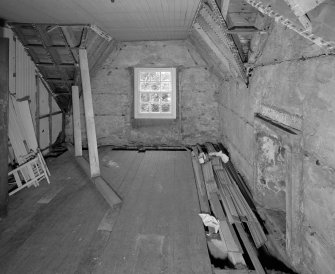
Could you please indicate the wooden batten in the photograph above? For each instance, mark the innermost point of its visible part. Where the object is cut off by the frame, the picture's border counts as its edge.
(212, 46)
(24, 114)
(19, 144)
(224, 8)
(78, 151)
(4, 98)
(89, 114)
(50, 119)
(37, 113)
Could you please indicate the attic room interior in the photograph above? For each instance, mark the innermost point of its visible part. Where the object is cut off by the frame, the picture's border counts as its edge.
(165, 136)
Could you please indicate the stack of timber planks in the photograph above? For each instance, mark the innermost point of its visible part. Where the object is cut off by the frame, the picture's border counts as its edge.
(223, 193)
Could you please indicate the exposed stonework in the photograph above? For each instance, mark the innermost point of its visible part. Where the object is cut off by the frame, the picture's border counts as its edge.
(197, 93)
(297, 79)
(271, 172)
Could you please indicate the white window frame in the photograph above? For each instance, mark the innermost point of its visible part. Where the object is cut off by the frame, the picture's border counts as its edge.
(137, 113)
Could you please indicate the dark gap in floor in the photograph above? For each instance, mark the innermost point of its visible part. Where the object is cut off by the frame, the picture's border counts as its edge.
(245, 252)
(219, 262)
(272, 264)
(141, 148)
(56, 151)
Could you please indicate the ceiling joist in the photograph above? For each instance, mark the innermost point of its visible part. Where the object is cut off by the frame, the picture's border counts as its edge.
(210, 20)
(54, 50)
(213, 46)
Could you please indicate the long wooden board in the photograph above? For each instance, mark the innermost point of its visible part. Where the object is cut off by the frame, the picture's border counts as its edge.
(4, 93)
(203, 199)
(250, 249)
(78, 150)
(89, 114)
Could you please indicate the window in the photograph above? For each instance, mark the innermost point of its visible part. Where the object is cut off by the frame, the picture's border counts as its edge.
(155, 93)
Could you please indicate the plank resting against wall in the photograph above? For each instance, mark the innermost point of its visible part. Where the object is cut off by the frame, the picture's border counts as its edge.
(4, 93)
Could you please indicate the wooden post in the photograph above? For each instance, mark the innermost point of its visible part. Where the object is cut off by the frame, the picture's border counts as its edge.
(76, 122)
(37, 113)
(89, 114)
(4, 97)
(50, 119)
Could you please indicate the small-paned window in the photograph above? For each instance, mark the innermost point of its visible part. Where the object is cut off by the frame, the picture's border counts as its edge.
(155, 93)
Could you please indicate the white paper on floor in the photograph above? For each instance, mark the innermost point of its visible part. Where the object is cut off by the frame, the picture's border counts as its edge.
(210, 221)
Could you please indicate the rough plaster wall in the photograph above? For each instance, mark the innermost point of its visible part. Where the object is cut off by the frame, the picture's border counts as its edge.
(294, 76)
(197, 92)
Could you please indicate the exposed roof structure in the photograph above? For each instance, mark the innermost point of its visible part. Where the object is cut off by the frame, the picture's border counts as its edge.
(221, 30)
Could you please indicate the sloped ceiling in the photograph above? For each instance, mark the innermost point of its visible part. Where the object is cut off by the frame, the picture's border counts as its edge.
(124, 20)
(222, 31)
(54, 50)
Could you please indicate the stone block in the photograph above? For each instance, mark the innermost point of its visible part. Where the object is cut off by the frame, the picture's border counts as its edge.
(318, 258)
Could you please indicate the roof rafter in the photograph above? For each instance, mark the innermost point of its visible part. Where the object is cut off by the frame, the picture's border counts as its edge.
(211, 21)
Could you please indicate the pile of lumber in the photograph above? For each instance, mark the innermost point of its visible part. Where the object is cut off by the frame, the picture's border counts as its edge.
(224, 195)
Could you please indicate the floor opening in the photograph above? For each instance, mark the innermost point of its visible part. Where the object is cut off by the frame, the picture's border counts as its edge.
(272, 264)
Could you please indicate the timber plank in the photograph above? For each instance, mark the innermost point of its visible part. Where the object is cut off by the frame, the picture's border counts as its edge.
(52, 193)
(203, 199)
(250, 249)
(89, 114)
(105, 190)
(4, 100)
(76, 122)
(52, 237)
(158, 227)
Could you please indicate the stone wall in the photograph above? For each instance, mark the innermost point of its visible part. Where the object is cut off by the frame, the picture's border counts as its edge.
(112, 88)
(294, 77)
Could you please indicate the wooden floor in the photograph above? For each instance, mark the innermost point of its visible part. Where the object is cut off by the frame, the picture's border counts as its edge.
(68, 228)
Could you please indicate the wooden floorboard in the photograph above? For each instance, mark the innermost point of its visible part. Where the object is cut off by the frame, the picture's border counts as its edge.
(156, 229)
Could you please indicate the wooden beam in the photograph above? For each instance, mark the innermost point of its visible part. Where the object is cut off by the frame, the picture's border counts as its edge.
(52, 65)
(110, 196)
(4, 99)
(214, 20)
(23, 113)
(212, 46)
(50, 119)
(250, 249)
(235, 38)
(57, 80)
(72, 41)
(67, 45)
(83, 39)
(50, 114)
(242, 29)
(89, 114)
(37, 46)
(101, 33)
(37, 113)
(224, 8)
(76, 122)
(51, 52)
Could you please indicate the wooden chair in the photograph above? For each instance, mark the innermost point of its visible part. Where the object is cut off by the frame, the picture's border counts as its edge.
(30, 173)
